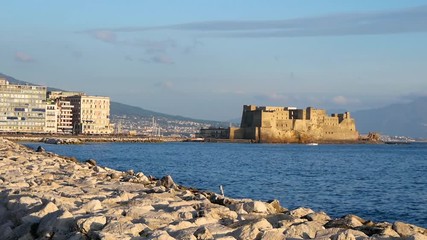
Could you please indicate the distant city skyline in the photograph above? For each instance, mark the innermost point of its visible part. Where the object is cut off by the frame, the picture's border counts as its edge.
(206, 59)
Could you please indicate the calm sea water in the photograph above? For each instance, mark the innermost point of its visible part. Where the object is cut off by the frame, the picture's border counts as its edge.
(376, 182)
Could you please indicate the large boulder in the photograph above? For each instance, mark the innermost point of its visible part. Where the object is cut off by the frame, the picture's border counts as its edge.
(406, 230)
(300, 212)
(91, 206)
(246, 232)
(120, 229)
(303, 230)
(348, 221)
(273, 234)
(36, 216)
(91, 224)
(58, 224)
(255, 207)
(167, 182)
(320, 217)
(202, 233)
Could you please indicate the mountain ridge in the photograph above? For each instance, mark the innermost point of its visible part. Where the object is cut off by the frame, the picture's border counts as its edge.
(398, 119)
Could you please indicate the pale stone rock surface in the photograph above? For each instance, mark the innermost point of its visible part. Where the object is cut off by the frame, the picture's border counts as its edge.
(349, 221)
(246, 232)
(344, 236)
(303, 230)
(91, 224)
(273, 234)
(255, 206)
(406, 230)
(118, 229)
(58, 224)
(300, 212)
(92, 206)
(321, 217)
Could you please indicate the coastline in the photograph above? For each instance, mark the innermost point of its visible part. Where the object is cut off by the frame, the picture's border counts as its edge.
(44, 195)
(71, 139)
(81, 139)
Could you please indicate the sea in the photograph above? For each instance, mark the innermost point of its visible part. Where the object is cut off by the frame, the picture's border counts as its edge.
(376, 182)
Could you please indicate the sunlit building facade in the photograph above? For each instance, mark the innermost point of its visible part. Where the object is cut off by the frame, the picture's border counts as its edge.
(22, 108)
(91, 114)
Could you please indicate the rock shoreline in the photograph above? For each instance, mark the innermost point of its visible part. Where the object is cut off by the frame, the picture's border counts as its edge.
(47, 196)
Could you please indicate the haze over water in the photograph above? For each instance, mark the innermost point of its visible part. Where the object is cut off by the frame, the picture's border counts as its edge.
(375, 182)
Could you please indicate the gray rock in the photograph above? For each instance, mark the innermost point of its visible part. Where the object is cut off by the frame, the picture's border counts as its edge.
(255, 206)
(303, 230)
(202, 233)
(40, 149)
(160, 235)
(344, 236)
(275, 207)
(90, 224)
(136, 212)
(22, 231)
(37, 216)
(406, 230)
(167, 182)
(348, 233)
(300, 212)
(117, 228)
(92, 206)
(320, 217)
(115, 175)
(91, 162)
(349, 221)
(417, 236)
(58, 224)
(6, 230)
(273, 234)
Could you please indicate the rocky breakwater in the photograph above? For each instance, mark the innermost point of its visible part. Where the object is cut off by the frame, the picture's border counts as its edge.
(62, 140)
(46, 196)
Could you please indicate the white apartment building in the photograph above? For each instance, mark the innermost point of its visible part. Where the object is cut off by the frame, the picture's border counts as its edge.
(22, 108)
(51, 125)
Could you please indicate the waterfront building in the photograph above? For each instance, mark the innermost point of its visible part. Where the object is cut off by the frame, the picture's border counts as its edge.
(288, 124)
(65, 116)
(91, 114)
(212, 132)
(51, 123)
(22, 108)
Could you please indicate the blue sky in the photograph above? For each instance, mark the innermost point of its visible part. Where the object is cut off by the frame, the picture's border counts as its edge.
(205, 59)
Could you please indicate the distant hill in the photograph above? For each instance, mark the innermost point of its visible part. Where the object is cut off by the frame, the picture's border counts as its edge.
(124, 109)
(404, 119)
(119, 109)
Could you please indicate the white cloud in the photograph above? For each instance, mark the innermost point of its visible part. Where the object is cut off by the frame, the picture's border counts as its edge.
(164, 59)
(340, 100)
(23, 57)
(105, 36)
(165, 85)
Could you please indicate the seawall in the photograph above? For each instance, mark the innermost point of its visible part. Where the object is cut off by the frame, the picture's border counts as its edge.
(47, 196)
(70, 139)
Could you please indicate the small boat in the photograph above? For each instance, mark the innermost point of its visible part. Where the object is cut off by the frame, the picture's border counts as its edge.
(312, 144)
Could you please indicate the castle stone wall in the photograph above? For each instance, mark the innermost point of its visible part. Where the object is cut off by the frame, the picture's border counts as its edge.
(283, 124)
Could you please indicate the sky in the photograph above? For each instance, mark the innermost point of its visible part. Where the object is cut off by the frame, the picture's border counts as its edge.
(206, 59)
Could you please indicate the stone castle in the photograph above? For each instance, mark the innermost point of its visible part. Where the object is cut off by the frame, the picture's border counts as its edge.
(288, 125)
